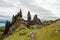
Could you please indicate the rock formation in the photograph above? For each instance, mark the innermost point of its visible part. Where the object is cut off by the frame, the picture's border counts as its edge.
(13, 27)
(28, 19)
(7, 26)
(10, 27)
(20, 13)
(13, 19)
(29, 16)
(17, 20)
(36, 20)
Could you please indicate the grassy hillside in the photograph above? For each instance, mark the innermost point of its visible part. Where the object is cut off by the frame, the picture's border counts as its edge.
(49, 33)
(2, 29)
(45, 33)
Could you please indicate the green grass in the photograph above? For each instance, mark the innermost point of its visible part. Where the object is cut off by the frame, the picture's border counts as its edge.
(16, 36)
(2, 29)
(48, 33)
(45, 33)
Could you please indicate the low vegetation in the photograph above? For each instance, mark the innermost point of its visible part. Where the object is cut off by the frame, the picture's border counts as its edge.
(45, 33)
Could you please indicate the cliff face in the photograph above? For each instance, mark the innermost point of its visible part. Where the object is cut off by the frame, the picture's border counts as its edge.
(17, 20)
(7, 27)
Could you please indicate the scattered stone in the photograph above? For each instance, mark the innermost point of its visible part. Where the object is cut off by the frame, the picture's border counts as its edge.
(32, 36)
(23, 33)
(57, 30)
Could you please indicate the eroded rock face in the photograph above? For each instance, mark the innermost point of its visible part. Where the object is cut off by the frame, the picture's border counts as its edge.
(28, 19)
(7, 27)
(36, 20)
(29, 16)
(18, 22)
(19, 14)
(13, 19)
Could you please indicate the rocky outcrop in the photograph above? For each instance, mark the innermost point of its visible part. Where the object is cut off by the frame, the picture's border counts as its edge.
(17, 20)
(19, 13)
(28, 19)
(7, 26)
(28, 16)
(14, 18)
(36, 20)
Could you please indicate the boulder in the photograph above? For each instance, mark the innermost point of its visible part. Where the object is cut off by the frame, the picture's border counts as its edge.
(57, 30)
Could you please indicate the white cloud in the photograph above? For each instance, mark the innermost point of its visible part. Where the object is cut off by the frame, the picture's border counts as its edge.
(44, 8)
(52, 5)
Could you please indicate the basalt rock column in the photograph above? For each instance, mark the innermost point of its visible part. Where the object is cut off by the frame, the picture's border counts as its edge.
(13, 19)
(28, 19)
(7, 26)
(20, 13)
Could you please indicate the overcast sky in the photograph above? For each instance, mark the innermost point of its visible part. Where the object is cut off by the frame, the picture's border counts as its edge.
(45, 9)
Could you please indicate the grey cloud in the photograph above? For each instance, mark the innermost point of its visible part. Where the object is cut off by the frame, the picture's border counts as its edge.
(5, 4)
(2, 14)
(42, 12)
(35, 8)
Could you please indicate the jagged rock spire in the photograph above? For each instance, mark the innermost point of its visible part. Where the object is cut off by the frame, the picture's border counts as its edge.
(28, 19)
(29, 16)
(20, 13)
(13, 19)
(35, 17)
(36, 20)
(7, 26)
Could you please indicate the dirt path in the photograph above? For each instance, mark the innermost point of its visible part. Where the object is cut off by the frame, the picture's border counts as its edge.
(32, 36)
